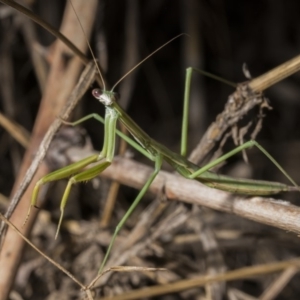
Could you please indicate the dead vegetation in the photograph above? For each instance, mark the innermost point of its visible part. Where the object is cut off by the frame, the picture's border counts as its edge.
(228, 253)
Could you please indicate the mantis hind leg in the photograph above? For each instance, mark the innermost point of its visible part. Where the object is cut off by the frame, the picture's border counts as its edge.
(268, 187)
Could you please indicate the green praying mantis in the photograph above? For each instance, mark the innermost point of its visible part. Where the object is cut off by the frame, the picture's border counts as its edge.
(155, 152)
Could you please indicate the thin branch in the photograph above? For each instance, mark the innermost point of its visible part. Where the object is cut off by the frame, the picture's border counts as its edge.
(270, 211)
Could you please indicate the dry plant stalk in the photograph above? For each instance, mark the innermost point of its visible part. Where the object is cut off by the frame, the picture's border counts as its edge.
(247, 272)
(61, 82)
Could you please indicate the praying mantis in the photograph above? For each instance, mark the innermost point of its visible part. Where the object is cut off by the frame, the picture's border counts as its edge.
(155, 152)
(124, 171)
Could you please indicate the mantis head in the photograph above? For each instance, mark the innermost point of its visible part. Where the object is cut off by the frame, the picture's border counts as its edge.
(105, 97)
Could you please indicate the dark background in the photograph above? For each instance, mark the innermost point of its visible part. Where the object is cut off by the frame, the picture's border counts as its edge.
(222, 36)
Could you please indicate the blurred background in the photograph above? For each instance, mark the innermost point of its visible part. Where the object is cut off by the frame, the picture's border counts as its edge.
(222, 36)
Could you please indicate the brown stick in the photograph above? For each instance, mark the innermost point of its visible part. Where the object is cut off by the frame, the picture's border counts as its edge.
(181, 285)
(269, 211)
(275, 212)
(261, 83)
(61, 81)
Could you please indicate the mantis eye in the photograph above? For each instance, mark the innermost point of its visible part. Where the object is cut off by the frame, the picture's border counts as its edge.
(97, 93)
(105, 98)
